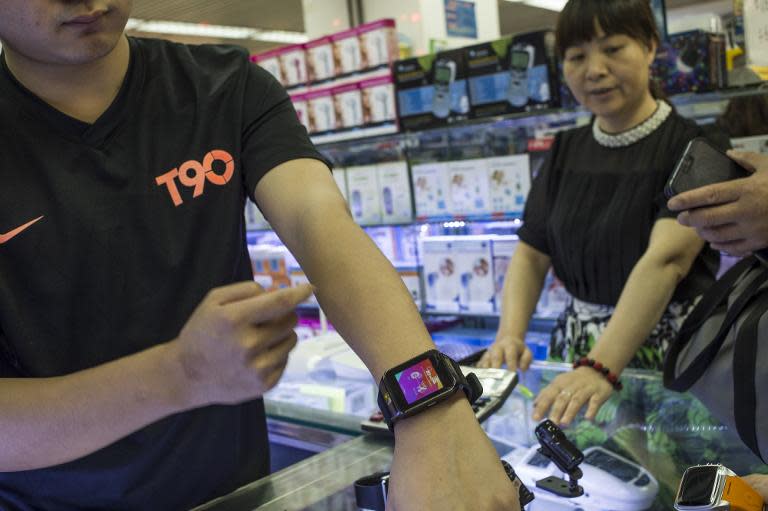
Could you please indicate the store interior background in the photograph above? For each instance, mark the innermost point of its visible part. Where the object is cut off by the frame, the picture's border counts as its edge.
(328, 409)
(309, 19)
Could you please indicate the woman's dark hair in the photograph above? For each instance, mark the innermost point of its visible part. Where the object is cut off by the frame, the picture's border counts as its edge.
(576, 23)
(634, 18)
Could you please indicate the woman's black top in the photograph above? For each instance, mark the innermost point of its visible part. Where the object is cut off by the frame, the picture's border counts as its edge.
(592, 208)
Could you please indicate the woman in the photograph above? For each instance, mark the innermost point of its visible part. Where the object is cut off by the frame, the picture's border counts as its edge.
(597, 215)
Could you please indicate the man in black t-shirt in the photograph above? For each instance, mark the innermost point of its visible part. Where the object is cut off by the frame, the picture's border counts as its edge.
(134, 345)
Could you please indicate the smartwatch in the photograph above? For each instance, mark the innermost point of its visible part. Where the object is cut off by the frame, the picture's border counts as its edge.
(715, 487)
(421, 382)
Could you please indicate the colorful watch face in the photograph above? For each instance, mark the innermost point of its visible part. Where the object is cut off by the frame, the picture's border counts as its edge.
(418, 381)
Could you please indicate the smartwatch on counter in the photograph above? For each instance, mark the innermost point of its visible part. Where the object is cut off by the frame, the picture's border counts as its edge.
(422, 382)
(715, 487)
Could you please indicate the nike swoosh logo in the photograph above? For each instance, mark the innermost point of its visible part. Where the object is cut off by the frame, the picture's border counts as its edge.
(5, 238)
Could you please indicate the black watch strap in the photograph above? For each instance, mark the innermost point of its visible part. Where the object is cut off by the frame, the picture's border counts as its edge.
(371, 492)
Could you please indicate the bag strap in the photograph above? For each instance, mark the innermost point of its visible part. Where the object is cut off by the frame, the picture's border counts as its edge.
(744, 373)
(715, 297)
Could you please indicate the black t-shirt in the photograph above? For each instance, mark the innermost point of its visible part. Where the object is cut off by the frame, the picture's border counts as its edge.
(140, 215)
(592, 209)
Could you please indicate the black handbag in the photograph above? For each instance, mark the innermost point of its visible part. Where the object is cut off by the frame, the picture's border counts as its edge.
(721, 353)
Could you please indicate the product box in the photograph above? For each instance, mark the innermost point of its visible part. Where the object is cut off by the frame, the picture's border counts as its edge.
(384, 238)
(503, 247)
(270, 268)
(340, 176)
(349, 106)
(254, 220)
(468, 188)
(347, 57)
(270, 61)
(322, 111)
(691, 62)
(430, 189)
(378, 100)
(473, 258)
(496, 78)
(395, 189)
(320, 62)
(301, 106)
(509, 179)
(442, 284)
(450, 100)
(414, 92)
(533, 59)
(412, 281)
(378, 43)
(364, 201)
(293, 62)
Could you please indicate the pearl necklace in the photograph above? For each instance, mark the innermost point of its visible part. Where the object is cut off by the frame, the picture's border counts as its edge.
(639, 132)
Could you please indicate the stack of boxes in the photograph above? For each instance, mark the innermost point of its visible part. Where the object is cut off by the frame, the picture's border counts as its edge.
(342, 81)
(496, 187)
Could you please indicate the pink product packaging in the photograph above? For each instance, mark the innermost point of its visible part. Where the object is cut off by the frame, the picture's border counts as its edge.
(378, 95)
(320, 65)
(349, 106)
(322, 114)
(293, 65)
(270, 61)
(378, 42)
(302, 108)
(347, 57)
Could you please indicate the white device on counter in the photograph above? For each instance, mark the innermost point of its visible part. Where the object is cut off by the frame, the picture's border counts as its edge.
(611, 482)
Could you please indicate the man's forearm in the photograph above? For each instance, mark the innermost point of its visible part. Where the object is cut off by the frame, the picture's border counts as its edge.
(360, 291)
(49, 421)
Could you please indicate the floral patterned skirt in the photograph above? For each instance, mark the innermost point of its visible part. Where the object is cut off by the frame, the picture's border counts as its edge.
(581, 324)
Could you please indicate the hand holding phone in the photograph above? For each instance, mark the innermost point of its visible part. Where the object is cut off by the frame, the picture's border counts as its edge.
(702, 164)
(720, 197)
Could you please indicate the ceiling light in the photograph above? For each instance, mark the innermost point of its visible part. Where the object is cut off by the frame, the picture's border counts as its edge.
(216, 31)
(551, 5)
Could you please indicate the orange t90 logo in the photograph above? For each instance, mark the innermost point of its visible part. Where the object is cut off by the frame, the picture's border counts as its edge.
(194, 174)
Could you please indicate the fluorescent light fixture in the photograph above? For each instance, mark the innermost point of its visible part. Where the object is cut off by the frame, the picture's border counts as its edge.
(551, 5)
(218, 31)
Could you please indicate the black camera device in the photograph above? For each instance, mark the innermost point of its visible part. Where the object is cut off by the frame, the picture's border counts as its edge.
(556, 446)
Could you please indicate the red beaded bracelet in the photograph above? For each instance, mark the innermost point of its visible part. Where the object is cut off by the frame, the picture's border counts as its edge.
(612, 378)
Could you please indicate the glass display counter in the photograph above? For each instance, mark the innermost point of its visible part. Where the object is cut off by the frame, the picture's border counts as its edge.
(660, 431)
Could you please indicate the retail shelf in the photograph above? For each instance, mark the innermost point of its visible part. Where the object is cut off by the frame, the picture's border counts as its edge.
(695, 105)
(357, 134)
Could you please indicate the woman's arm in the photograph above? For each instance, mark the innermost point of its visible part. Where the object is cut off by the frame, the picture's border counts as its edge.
(671, 252)
(522, 287)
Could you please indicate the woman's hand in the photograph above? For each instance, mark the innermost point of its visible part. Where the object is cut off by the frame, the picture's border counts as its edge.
(569, 392)
(508, 350)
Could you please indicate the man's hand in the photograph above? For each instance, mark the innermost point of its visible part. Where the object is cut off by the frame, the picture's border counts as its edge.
(759, 483)
(732, 216)
(235, 345)
(569, 392)
(444, 460)
(507, 350)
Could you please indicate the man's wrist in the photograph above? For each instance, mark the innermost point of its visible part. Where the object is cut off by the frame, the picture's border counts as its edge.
(455, 410)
